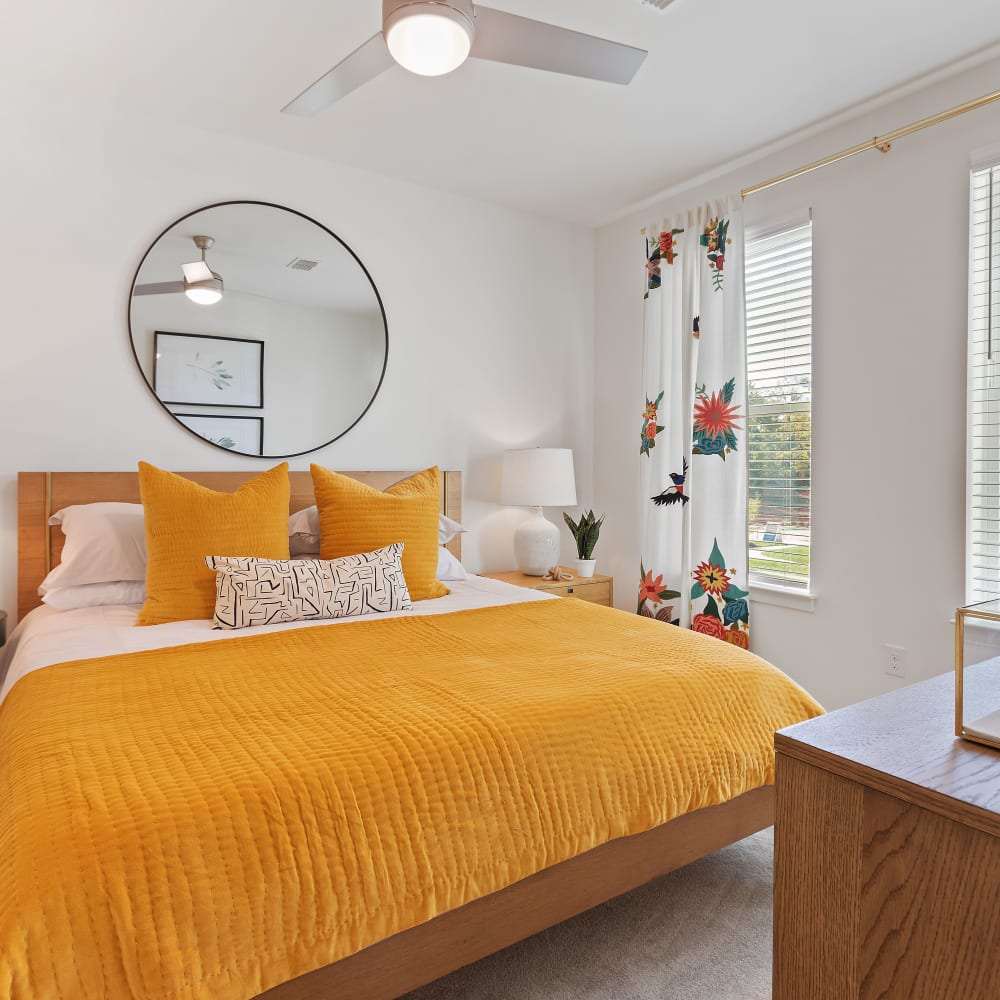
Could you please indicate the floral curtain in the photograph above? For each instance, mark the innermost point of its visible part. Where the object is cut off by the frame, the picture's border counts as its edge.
(693, 457)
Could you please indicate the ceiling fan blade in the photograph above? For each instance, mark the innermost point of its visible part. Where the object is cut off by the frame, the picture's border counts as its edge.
(197, 270)
(362, 65)
(158, 288)
(520, 41)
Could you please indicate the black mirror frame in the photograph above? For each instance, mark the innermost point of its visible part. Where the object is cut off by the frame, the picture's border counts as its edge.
(308, 218)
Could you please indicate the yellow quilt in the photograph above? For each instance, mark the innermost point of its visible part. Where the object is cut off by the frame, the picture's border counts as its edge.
(210, 820)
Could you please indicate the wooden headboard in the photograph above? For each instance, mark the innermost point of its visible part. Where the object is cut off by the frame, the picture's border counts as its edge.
(41, 494)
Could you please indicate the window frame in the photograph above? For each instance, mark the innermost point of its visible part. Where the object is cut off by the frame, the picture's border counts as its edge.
(982, 164)
(771, 589)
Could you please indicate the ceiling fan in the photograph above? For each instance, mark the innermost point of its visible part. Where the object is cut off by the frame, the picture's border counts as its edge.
(433, 37)
(200, 283)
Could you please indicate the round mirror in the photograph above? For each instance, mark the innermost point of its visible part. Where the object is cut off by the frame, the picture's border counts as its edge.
(258, 329)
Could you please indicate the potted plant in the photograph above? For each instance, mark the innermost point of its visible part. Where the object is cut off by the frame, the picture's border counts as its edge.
(585, 532)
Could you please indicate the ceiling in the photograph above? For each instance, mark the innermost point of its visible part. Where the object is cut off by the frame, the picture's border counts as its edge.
(254, 246)
(723, 77)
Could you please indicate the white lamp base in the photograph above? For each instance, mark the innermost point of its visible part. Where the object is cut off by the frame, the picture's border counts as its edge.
(536, 545)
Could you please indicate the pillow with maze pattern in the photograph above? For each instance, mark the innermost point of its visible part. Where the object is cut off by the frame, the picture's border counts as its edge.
(268, 591)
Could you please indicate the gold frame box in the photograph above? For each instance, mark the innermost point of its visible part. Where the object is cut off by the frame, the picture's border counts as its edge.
(984, 645)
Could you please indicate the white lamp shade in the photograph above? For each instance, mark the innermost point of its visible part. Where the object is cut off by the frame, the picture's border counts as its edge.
(538, 477)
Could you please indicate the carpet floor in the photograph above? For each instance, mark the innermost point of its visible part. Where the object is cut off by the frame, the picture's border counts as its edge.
(700, 933)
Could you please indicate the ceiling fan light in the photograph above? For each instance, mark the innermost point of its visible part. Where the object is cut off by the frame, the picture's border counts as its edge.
(204, 293)
(429, 39)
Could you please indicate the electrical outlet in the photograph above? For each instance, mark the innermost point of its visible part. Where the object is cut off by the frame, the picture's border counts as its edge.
(895, 660)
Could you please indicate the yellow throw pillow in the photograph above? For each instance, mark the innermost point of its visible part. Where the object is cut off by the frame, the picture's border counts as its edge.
(355, 518)
(186, 522)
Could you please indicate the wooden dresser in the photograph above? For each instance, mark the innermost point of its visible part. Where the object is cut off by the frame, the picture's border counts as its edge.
(887, 850)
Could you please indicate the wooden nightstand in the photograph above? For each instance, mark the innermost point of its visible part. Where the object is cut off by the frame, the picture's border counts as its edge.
(597, 589)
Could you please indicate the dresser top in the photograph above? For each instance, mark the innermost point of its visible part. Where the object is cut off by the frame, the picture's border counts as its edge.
(904, 743)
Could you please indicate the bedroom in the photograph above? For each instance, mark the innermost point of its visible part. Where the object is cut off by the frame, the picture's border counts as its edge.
(95, 169)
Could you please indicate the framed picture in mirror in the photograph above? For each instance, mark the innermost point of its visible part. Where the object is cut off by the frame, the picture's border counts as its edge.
(234, 433)
(194, 369)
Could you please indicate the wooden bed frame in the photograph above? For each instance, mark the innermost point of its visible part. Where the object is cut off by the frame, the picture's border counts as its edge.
(430, 950)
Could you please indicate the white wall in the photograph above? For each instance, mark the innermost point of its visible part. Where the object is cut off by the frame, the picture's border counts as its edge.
(490, 311)
(890, 243)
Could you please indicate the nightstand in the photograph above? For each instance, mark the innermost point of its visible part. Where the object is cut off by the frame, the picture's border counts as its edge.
(597, 589)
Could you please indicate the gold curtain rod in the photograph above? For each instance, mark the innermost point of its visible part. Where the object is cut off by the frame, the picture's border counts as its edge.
(881, 142)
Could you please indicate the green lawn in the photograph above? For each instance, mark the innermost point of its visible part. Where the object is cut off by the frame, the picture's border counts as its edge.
(776, 557)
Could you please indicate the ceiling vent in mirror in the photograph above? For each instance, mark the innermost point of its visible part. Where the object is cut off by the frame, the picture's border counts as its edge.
(301, 264)
(662, 4)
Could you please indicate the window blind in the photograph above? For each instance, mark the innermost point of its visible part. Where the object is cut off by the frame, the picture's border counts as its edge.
(983, 514)
(779, 376)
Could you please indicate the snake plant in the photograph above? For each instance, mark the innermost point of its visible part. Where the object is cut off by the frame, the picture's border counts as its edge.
(585, 532)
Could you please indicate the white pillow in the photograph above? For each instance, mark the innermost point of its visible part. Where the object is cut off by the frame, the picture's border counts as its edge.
(93, 595)
(448, 529)
(449, 568)
(267, 591)
(303, 533)
(105, 542)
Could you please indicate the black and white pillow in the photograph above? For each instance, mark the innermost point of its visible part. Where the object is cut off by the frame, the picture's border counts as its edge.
(268, 591)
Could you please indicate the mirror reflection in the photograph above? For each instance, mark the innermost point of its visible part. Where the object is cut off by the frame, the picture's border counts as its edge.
(258, 329)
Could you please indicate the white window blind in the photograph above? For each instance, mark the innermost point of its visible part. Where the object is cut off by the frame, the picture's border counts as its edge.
(983, 515)
(779, 375)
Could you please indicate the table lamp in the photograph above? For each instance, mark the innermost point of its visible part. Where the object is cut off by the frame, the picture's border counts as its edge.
(537, 477)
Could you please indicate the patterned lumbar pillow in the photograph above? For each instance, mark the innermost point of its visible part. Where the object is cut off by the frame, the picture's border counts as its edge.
(268, 591)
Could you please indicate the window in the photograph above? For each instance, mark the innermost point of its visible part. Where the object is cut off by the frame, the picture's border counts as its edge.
(779, 377)
(982, 564)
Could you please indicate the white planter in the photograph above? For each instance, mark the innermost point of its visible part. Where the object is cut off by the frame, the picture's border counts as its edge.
(585, 567)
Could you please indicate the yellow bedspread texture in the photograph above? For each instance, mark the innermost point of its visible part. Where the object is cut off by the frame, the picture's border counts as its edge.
(213, 819)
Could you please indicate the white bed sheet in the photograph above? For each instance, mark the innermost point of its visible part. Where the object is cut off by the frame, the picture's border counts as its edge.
(47, 636)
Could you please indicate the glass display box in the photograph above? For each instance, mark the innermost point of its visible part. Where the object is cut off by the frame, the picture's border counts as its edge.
(977, 640)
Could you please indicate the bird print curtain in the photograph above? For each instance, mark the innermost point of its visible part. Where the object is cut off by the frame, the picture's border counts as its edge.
(692, 454)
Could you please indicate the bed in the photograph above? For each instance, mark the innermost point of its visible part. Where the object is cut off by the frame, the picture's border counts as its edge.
(453, 936)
